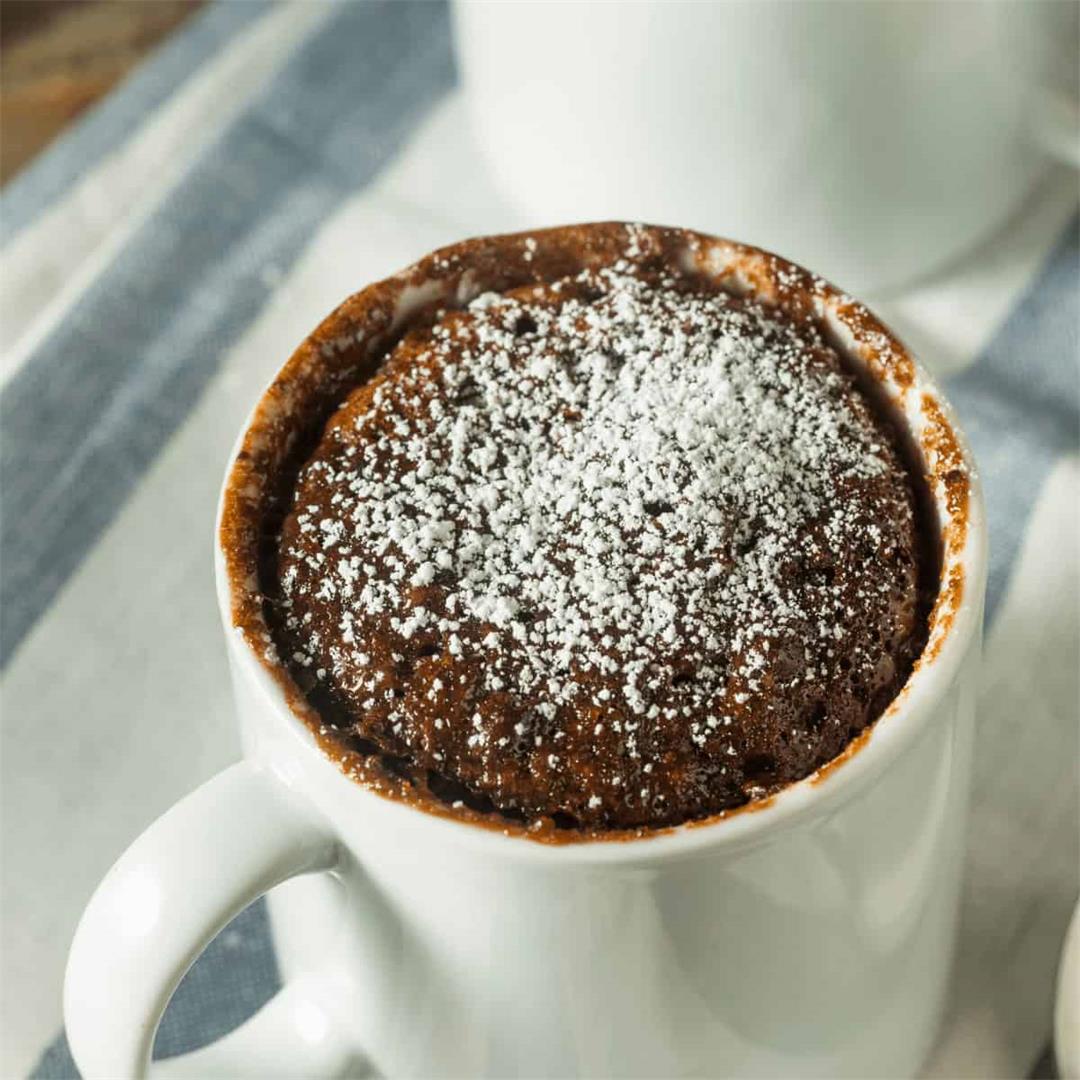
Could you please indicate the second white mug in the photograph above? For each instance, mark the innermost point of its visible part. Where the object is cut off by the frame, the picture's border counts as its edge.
(871, 141)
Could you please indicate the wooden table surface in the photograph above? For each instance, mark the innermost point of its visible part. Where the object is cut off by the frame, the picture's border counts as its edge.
(57, 57)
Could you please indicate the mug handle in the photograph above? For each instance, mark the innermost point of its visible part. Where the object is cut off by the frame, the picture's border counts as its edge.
(179, 883)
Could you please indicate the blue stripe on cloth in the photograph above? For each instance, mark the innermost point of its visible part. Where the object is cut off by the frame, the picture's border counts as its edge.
(109, 124)
(131, 358)
(1020, 404)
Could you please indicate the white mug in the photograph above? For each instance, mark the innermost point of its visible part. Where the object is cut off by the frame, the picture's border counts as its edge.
(807, 935)
(1067, 1003)
(872, 141)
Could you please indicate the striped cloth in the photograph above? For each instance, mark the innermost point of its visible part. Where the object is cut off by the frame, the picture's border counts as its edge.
(162, 259)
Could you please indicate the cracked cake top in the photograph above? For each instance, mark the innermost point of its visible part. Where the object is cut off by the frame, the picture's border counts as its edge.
(615, 550)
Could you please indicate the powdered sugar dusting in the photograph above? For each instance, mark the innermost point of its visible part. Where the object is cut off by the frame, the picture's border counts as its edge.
(571, 545)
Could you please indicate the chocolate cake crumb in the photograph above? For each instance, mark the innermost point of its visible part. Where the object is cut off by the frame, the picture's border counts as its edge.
(619, 550)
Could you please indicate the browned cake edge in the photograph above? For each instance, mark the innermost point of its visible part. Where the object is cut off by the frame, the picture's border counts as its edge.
(347, 347)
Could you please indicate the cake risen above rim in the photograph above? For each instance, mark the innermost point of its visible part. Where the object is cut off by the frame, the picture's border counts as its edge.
(616, 550)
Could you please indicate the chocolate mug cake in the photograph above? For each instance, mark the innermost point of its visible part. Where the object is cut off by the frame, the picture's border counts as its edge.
(611, 546)
(640, 543)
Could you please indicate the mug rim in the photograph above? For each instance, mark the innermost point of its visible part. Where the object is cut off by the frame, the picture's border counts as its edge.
(927, 415)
